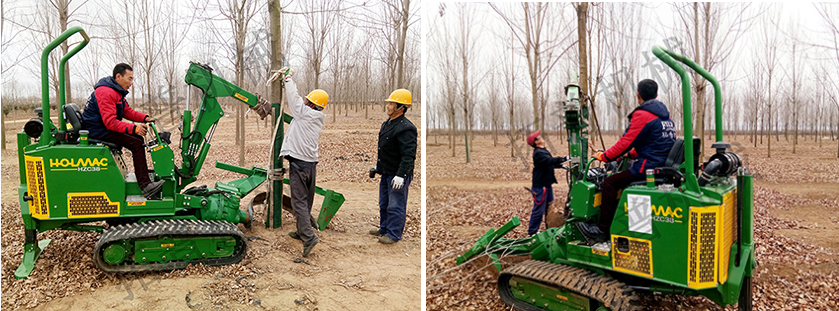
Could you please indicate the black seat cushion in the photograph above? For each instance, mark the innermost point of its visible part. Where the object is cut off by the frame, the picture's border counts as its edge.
(73, 117)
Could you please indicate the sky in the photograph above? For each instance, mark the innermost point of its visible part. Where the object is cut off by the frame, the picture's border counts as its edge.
(658, 27)
(25, 76)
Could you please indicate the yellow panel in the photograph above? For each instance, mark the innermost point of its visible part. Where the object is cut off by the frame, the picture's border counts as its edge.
(728, 230)
(639, 259)
(597, 199)
(703, 246)
(36, 187)
(90, 205)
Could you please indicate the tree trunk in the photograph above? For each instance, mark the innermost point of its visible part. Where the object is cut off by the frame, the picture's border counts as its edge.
(63, 16)
(241, 33)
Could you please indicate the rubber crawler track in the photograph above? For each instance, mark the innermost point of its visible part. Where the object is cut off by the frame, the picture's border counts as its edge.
(173, 227)
(613, 294)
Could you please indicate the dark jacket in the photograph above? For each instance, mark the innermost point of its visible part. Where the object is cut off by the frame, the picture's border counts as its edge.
(106, 108)
(397, 147)
(651, 132)
(543, 167)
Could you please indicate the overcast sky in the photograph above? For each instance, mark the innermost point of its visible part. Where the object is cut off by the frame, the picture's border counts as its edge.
(24, 78)
(492, 35)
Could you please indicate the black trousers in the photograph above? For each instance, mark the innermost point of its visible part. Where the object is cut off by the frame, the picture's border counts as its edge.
(135, 143)
(301, 177)
(611, 186)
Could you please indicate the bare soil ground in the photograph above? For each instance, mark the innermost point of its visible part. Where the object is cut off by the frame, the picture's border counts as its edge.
(347, 270)
(796, 216)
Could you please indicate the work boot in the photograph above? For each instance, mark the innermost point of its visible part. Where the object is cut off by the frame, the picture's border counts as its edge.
(591, 233)
(294, 235)
(386, 240)
(152, 189)
(307, 248)
(376, 232)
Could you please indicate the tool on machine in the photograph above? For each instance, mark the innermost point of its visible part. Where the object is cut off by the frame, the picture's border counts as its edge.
(182, 226)
(675, 234)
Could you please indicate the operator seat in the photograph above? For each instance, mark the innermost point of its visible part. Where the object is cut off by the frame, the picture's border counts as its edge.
(676, 157)
(73, 117)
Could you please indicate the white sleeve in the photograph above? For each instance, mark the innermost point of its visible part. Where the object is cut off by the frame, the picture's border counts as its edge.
(295, 102)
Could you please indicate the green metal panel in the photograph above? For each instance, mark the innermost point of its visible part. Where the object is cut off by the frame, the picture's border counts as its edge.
(332, 201)
(582, 199)
(669, 218)
(548, 297)
(166, 248)
(78, 169)
(31, 252)
(585, 255)
(256, 176)
(162, 156)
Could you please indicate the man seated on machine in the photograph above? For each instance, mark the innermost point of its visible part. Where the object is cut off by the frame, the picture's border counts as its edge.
(650, 133)
(103, 116)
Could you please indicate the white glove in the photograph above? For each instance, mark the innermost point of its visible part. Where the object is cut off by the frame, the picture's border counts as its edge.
(397, 182)
(287, 72)
(284, 74)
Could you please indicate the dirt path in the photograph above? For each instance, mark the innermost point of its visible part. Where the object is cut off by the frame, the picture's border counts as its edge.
(348, 270)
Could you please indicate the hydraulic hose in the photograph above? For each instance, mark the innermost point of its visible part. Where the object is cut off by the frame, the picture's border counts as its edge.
(710, 170)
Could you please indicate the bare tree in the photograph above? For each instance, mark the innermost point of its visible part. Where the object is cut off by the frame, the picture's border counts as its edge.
(543, 38)
(149, 17)
(239, 14)
(769, 62)
(710, 31)
(465, 49)
(319, 22)
(829, 14)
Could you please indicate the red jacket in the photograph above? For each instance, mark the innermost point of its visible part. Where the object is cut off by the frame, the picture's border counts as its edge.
(106, 109)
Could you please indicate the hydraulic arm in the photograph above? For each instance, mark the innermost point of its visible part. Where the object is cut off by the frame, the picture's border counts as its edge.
(196, 141)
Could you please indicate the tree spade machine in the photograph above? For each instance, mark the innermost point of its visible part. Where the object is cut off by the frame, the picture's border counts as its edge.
(68, 180)
(672, 233)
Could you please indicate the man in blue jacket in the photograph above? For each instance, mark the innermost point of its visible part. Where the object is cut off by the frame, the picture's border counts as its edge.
(651, 134)
(543, 180)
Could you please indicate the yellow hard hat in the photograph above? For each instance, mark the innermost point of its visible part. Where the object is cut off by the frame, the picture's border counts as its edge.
(400, 96)
(318, 97)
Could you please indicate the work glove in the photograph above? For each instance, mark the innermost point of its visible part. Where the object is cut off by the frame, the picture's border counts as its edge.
(284, 73)
(397, 182)
(149, 119)
(141, 129)
(600, 157)
(562, 159)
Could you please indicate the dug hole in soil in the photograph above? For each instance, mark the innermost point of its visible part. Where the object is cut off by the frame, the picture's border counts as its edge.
(796, 220)
(347, 270)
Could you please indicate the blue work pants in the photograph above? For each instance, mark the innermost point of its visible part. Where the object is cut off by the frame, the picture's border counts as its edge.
(393, 207)
(541, 198)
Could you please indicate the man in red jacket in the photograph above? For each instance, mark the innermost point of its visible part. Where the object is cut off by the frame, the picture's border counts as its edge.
(649, 137)
(103, 118)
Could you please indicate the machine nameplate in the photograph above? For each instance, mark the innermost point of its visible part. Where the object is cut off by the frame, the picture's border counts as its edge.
(640, 218)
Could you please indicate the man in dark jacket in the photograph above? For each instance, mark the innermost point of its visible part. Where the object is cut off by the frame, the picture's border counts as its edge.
(543, 180)
(396, 155)
(103, 116)
(651, 134)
